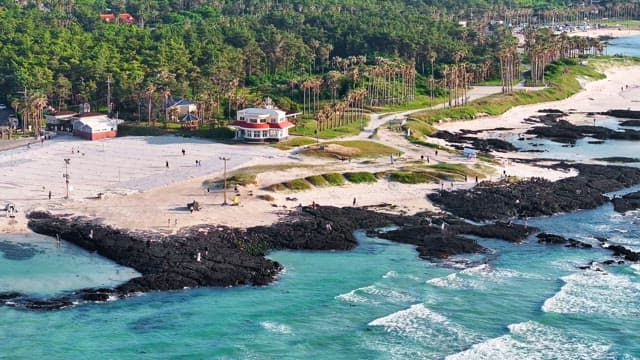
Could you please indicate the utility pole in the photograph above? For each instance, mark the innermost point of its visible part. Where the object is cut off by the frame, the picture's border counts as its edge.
(109, 94)
(225, 159)
(66, 175)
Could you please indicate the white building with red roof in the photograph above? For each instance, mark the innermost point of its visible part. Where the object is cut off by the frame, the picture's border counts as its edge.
(262, 124)
(94, 126)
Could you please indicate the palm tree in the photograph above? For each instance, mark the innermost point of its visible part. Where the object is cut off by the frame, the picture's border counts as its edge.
(149, 91)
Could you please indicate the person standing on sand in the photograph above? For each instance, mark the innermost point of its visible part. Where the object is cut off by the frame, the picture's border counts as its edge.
(49, 194)
(166, 164)
(183, 152)
(354, 201)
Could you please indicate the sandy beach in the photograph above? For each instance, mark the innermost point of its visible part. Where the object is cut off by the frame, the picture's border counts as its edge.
(140, 192)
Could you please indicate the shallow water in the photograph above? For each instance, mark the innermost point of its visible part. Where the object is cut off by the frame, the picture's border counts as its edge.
(378, 301)
(629, 46)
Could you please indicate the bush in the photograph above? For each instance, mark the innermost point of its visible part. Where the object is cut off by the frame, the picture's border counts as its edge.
(317, 181)
(334, 179)
(276, 187)
(408, 177)
(360, 177)
(298, 185)
(266, 197)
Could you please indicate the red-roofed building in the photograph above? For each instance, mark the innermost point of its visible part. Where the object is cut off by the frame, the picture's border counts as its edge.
(110, 18)
(258, 124)
(126, 18)
(94, 126)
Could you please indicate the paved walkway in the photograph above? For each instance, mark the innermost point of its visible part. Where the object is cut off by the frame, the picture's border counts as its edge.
(475, 93)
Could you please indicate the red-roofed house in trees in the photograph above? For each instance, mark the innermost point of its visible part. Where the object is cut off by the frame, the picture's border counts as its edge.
(110, 18)
(126, 18)
(261, 124)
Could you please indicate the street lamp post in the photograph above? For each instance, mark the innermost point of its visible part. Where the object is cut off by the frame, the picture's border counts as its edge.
(225, 159)
(66, 175)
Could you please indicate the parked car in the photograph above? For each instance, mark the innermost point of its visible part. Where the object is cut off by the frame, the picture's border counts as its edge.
(3, 107)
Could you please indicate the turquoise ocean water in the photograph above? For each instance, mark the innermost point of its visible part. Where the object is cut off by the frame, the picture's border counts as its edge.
(524, 301)
(629, 46)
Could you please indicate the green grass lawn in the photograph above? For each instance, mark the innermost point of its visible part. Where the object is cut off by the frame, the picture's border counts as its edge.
(307, 127)
(351, 149)
(160, 129)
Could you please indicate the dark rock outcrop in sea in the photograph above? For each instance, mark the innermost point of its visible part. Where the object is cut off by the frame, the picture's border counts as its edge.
(538, 197)
(462, 140)
(545, 238)
(627, 202)
(627, 114)
(231, 257)
(563, 131)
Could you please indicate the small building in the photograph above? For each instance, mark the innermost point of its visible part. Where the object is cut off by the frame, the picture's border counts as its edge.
(94, 126)
(60, 120)
(124, 18)
(179, 108)
(190, 121)
(261, 124)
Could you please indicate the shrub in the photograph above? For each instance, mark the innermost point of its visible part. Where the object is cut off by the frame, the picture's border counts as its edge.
(298, 185)
(409, 177)
(360, 177)
(334, 179)
(317, 181)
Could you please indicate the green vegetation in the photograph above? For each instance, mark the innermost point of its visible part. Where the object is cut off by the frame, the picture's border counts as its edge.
(412, 177)
(334, 179)
(360, 177)
(350, 149)
(298, 185)
(563, 82)
(317, 181)
(308, 128)
(294, 143)
(144, 129)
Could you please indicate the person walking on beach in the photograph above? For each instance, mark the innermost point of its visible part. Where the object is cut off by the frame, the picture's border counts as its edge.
(49, 194)
(354, 201)
(166, 164)
(183, 152)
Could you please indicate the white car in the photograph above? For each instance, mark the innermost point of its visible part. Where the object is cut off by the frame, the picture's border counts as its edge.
(3, 107)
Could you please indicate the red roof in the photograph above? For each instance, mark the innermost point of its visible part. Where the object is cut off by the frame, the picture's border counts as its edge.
(90, 114)
(248, 125)
(281, 125)
(126, 17)
(107, 17)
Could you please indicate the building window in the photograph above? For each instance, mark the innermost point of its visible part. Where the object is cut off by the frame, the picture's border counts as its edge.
(265, 133)
(241, 118)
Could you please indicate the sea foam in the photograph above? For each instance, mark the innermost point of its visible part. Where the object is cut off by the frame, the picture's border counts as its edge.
(276, 327)
(424, 325)
(596, 292)
(476, 277)
(532, 340)
(375, 295)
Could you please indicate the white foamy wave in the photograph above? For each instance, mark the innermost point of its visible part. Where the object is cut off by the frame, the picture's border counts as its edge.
(424, 325)
(276, 327)
(375, 295)
(532, 340)
(596, 292)
(390, 274)
(477, 277)
(636, 267)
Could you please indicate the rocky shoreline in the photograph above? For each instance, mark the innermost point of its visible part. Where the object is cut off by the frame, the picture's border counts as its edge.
(219, 256)
(209, 255)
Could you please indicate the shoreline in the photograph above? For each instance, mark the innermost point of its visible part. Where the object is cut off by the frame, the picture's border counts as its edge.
(152, 198)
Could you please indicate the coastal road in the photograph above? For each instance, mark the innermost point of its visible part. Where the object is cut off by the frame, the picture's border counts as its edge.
(475, 93)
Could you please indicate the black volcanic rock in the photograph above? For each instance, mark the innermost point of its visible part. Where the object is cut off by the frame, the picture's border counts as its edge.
(627, 202)
(628, 114)
(566, 132)
(545, 238)
(538, 197)
(490, 144)
(622, 251)
(630, 123)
